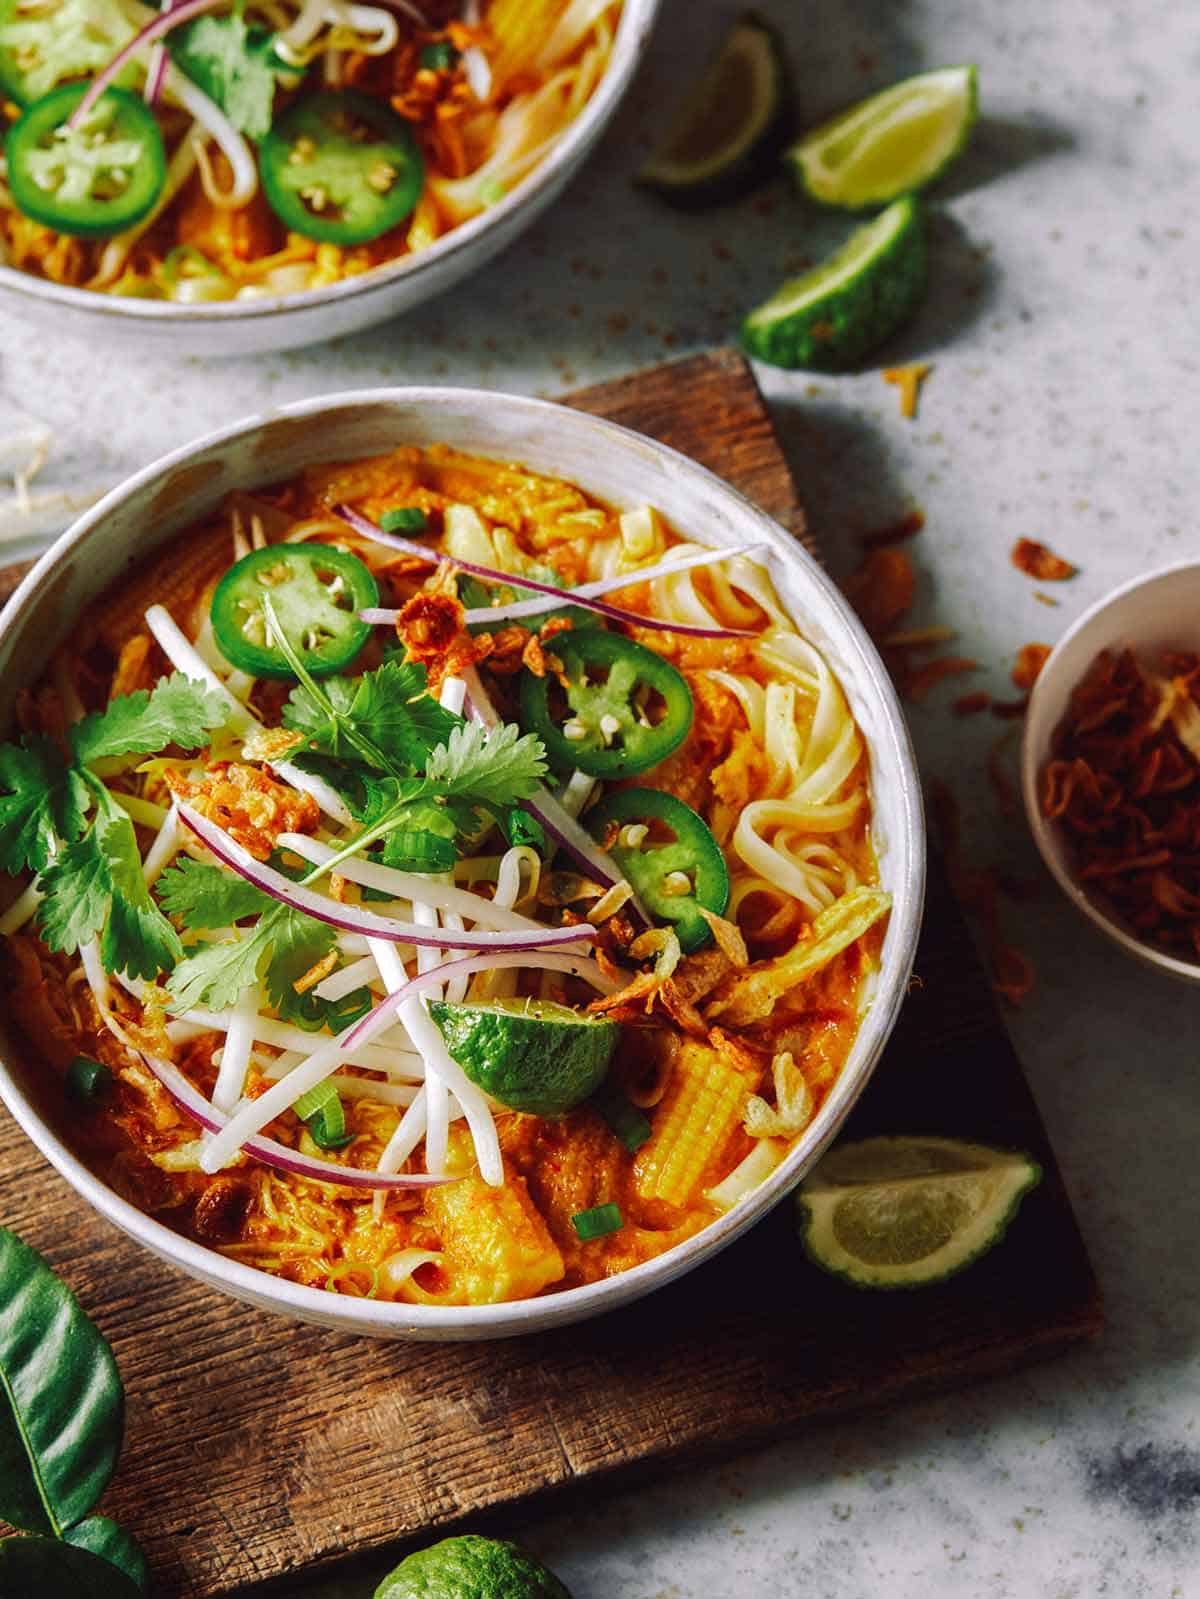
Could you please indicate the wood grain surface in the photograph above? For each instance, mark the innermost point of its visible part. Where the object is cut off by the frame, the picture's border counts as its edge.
(257, 1448)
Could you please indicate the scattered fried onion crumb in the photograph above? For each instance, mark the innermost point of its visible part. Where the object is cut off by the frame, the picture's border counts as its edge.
(971, 704)
(882, 589)
(1028, 665)
(1045, 599)
(908, 379)
(932, 672)
(1039, 561)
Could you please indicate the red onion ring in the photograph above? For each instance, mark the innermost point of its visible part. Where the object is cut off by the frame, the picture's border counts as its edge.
(561, 596)
(268, 1150)
(157, 29)
(353, 919)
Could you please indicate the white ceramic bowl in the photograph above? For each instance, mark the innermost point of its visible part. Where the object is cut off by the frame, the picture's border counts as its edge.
(1149, 614)
(289, 321)
(621, 467)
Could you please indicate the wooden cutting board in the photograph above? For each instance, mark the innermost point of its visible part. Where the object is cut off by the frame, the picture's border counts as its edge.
(258, 1449)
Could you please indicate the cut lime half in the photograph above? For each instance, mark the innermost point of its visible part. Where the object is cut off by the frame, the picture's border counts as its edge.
(839, 312)
(903, 1212)
(733, 126)
(891, 144)
(529, 1054)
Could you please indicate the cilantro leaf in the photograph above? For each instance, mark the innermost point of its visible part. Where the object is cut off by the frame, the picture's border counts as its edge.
(281, 946)
(232, 63)
(217, 974)
(487, 766)
(203, 895)
(177, 710)
(298, 942)
(42, 803)
(95, 885)
(390, 708)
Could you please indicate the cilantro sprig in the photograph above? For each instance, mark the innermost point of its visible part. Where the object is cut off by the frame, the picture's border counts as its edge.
(57, 819)
(278, 950)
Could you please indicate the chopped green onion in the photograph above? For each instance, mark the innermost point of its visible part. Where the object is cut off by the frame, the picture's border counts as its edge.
(438, 57)
(406, 519)
(598, 1221)
(491, 191)
(88, 1080)
(321, 1108)
(519, 827)
(625, 1121)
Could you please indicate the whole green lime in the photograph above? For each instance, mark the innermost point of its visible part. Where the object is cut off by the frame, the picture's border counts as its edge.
(471, 1567)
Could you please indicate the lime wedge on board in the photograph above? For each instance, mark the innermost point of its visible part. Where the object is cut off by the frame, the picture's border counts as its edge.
(893, 143)
(733, 125)
(833, 316)
(903, 1212)
(529, 1054)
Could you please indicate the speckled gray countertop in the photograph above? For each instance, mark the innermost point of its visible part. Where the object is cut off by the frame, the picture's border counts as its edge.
(1064, 328)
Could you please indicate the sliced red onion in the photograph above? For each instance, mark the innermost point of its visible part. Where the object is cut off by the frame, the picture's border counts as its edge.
(353, 918)
(268, 1150)
(583, 596)
(154, 30)
(558, 822)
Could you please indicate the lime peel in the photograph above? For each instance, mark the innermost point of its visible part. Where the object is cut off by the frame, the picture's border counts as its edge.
(908, 1211)
(895, 142)
(530, 1054)
(832, 317)
(733, 126)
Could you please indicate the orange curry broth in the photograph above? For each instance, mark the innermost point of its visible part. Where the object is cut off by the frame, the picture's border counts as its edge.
(495, 1244)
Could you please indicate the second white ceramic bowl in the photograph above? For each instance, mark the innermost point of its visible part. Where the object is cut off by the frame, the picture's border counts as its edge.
(1149, 614)
(622, 468)
(290, 321)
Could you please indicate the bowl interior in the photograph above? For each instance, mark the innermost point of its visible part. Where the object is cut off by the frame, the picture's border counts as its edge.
(618, 466)
(1150, 615)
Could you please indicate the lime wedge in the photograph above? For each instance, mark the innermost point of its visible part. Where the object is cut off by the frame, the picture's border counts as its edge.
(733, 125)
(891, 144)
(903, 1212)
(529, 1054)
(836, 314)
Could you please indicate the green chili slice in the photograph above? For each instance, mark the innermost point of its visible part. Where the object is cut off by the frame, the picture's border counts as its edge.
(316, 592)
(622, 709)
(341, 167)
(95, 179)
(668, 854)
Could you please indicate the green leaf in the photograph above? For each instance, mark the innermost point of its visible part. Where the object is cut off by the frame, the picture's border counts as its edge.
(202, 895)
(390, 707)
(487, 766)
(281, 947)
(177, 710)
(111, 1542)
(217, 974)
(394, 708)
(298, 943)
(233, 64)
(42, 803)
(61, 1402)
(42, 1566)
(96, 886)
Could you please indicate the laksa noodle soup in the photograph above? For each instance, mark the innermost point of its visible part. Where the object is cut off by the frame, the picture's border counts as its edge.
(217, 151)
(428, 882)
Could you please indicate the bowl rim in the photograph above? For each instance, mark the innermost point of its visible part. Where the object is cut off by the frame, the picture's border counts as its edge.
(629, 47)
(1045, 832)
(879, 1017)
